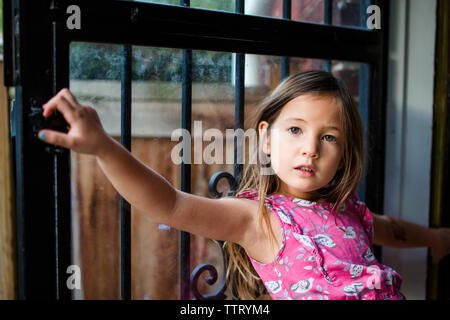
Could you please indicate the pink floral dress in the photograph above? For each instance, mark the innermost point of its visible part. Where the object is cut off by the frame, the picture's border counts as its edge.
(321, 260)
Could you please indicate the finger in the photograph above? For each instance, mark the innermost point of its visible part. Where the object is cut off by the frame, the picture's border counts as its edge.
(61, 104)
(70, 97)
(65, 93)
(55, 137)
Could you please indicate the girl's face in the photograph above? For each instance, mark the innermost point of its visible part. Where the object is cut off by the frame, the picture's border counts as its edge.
(307, 133)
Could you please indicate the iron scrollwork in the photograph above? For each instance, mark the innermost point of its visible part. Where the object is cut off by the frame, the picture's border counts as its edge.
(213, 276)
(215, 180)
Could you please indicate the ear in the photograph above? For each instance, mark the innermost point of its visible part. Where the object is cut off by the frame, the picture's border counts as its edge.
(264, 136)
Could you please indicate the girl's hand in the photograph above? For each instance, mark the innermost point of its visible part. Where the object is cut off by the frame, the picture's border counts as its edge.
(85, 135)
(441, 247)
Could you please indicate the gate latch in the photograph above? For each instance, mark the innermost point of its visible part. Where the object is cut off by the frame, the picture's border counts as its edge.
(39, 122)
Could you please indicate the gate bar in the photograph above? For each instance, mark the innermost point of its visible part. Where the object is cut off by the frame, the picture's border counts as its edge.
(186, 118)
(200, 29)
(125, 139)
(239, 101)
(285, 61)
(328, 19)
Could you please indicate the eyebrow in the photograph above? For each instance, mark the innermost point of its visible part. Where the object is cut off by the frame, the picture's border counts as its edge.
(303, 120)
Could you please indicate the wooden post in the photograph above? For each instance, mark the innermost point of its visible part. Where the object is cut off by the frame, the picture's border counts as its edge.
(437, 280)
(8, 261)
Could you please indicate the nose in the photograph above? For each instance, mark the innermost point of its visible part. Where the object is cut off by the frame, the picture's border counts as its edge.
(310, 148)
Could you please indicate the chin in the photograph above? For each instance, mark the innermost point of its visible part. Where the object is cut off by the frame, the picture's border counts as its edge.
(304, 188)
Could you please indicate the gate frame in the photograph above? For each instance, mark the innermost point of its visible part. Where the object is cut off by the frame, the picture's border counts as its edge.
(36, 55)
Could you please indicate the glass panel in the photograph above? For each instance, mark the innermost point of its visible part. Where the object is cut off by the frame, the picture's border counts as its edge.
(212, 114)
(223, 5)
(95, 81)
(156, 101)
(344, 12)
(267, 8)
(172, 2)
(347, 13)
(1, 20)
(307, 10)
(304, 64)
(301, 10)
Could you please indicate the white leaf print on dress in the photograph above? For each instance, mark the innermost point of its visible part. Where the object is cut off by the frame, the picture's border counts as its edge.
(273, 286)
(373, 269)
(374, 280)
(325, 240)
(303, 202)
(304, 239)
(388, 279)
(355, 270)
(350, 233)
(353, 289)
(302, 286)
(284, 217)
(277, 272)
(369, 255)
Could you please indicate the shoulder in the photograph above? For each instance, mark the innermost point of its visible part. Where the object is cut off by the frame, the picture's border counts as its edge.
(254, 198)
(365, 216)
(353, 205)
(246, 205)
(353, 202)
(275, 203)
(280, 205)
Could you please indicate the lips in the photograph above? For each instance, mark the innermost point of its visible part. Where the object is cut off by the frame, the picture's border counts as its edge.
(306, 168)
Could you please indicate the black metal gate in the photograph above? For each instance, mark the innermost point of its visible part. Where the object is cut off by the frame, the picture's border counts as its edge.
(36, 55)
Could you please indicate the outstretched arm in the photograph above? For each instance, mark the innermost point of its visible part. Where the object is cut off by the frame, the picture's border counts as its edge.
(229, 219)
(393, 232)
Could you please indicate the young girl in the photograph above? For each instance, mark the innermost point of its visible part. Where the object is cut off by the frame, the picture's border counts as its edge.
(296, 226)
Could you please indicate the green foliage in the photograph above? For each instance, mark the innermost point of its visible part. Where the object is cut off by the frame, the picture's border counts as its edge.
(103, 61)
(223, 5)
(1, 18)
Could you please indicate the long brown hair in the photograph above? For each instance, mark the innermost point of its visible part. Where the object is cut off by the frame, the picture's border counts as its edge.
(241, 276)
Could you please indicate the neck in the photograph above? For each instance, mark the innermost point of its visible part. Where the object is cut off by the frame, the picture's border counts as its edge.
(311, 196)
